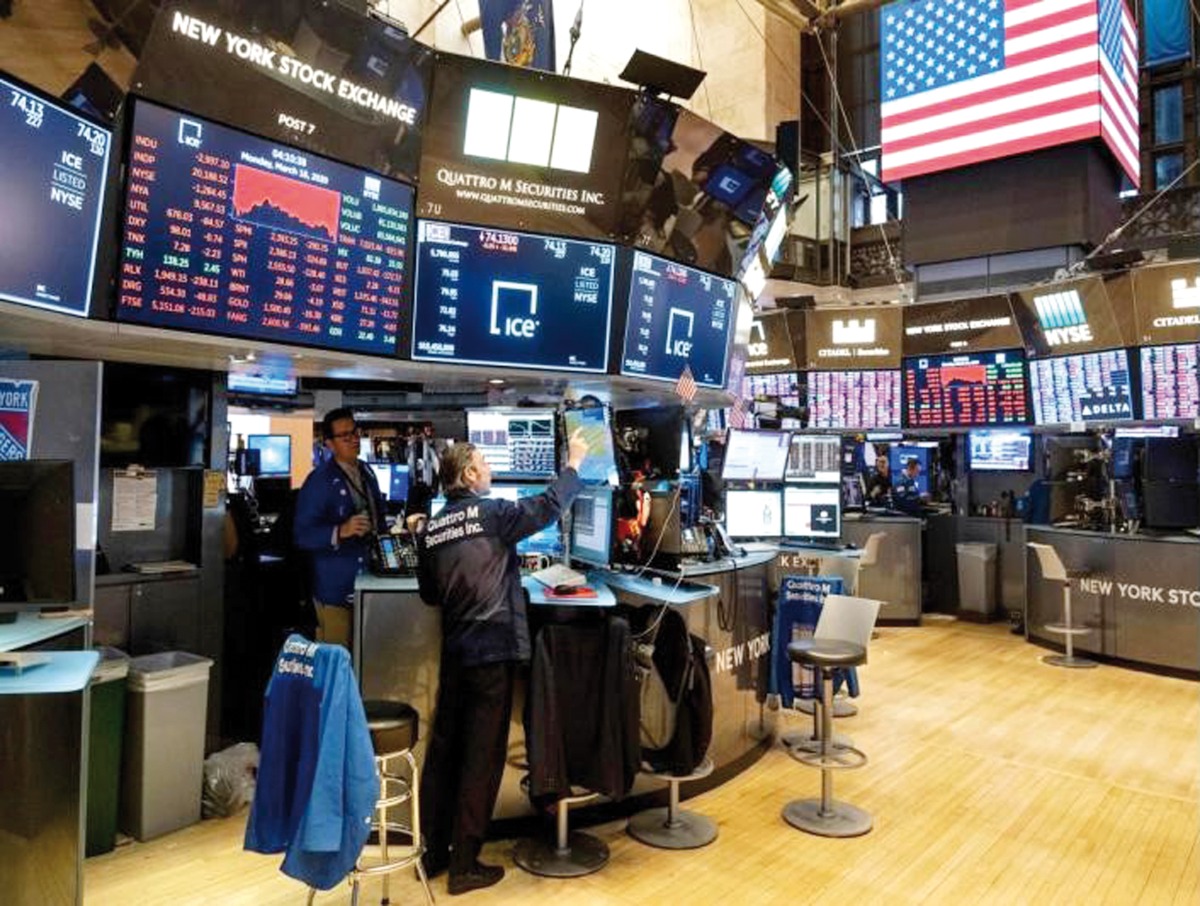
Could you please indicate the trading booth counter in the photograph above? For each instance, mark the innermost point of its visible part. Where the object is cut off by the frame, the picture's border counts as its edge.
(58, 633)
(1142, 597)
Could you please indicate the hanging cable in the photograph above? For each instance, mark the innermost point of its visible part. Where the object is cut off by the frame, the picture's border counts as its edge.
(699, 58)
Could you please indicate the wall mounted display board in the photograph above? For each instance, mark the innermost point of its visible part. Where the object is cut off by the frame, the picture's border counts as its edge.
(960, 391)
(1170, 377)
(854, 399)
(836, 339)
(53, 165)
(787, 388)
(322, 76)
(960, 325)
(1092, 386)
(677, 316)
(1075, 316)
(231, 234)
(496, 297)
(776, 342)
(1166, 300)
(522, 149)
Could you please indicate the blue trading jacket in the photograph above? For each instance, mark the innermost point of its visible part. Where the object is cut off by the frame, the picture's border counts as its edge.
(317, 783)
(324, 502)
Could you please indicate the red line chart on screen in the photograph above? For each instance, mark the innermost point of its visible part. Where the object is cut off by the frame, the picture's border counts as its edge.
(289, 205)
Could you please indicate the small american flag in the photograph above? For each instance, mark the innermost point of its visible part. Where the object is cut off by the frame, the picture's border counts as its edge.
(685, 387)
(964, 81)
(737, 413)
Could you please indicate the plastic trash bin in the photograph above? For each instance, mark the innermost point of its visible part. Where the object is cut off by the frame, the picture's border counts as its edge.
(162, 775)
(976, 579)
(105, 737)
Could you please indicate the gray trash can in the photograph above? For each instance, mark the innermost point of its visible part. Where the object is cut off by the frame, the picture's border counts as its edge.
(976, 580)
(163, 765)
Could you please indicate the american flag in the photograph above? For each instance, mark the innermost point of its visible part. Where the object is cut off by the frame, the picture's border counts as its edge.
(685, 387)
(737, 413)
(965, 81)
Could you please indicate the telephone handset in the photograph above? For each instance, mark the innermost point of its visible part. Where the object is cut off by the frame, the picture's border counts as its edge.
(392, 556)
(723, 545)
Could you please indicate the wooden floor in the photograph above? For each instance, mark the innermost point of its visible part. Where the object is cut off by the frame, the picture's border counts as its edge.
(993, 779)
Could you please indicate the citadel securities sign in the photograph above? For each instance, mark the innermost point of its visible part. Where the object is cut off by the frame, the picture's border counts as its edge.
(864, 337)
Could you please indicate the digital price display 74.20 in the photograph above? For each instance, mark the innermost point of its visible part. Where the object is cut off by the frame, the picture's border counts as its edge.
(983, 388)
(231, 234)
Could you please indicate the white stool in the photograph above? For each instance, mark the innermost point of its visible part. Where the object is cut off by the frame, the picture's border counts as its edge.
(1053, 569)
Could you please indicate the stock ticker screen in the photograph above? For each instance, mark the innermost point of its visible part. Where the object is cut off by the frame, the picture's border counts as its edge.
(677, 316)
(53, 165)
(1091, 386)
(1171, 381)
(231, 234)
(515, 300)
(981, 388)
(854, 399)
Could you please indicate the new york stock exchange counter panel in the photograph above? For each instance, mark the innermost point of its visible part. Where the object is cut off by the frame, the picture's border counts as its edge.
(1140, 597)
(397, 646)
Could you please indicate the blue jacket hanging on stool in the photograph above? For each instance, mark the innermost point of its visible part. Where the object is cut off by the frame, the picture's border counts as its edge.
(317, 784)
(799, 604)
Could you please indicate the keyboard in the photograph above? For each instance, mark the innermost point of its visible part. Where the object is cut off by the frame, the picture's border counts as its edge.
(559, 574)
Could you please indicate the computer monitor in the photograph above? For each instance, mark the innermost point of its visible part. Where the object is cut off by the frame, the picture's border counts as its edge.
(1000, 451)
(392, 479)
(813, 512)
(814, 459)
(600, 466)
(548, 541)
(247, 463)
(755, 455)
(1170, 504)
(854, 495)
(1169, 459)
(753, 514)
(37, 534)
(898, 457)
(592, 526)
(518, 443)
(275, 452)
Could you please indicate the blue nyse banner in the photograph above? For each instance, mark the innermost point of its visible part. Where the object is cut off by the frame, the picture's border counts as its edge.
(1168, 30)
(519, 32)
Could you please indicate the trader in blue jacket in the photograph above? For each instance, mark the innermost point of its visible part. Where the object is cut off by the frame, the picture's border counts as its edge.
(338, 512)
(468, 566)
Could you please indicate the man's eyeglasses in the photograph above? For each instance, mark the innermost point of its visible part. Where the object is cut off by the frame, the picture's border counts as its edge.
(347, 435)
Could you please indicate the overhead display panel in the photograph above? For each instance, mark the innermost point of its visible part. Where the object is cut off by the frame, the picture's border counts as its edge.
(776, 342)
(512, 147)
(837, 339)
(854, 399)
(1092, 386)
(320, 76)
(961, 325)
(1075, 316)
(231, 234)
(53, 165)
(496, 297)
(1171, 381)
(1167, 303)
(677, 316)
(967, 390)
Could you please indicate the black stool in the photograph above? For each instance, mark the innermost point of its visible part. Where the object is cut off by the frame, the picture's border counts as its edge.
(827, 817)
(393, 725)
(571, 854)
(672, 827)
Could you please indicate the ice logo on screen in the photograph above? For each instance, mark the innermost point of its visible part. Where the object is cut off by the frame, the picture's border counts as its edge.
(1063, 318)
(729, 184)
(371, 187)
(679, 340)
(853, 332)
(190, 133)
(507, 296)
(1185, 294)
(757, 348)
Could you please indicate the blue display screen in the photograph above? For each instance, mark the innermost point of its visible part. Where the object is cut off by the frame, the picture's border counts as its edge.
(601, 462)
(498, 297)
(53, 165)
(275, 451)
(677, 316)
(231, 234)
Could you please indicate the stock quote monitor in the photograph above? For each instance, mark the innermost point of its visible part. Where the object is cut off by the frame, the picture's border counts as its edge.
(1089, 386)
(1000, 451)
(753, 514)
(548, 541)
(53, 166)
(260, 384)
(592, 526)
(755, 455)
(677, 316)
(513, 300)
(1171, 381)
(854, 399)
(392, 479)
(231, 234)
(600, 466)
(275, 453)
(813, 512)
(814, 459)
(965, 390)
(518, 443)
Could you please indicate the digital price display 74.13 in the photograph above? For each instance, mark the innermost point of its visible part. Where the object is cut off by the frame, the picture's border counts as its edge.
(231, 234)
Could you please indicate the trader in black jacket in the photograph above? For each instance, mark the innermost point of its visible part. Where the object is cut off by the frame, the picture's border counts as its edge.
(468, 566)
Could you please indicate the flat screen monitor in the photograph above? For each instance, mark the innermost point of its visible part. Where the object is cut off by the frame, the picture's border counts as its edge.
(812, 512)
(854, 494)
(753, 514)
(247, 463)
(548, 541)
(898, 458)
(814, 459)
(275, 452)
(854, 399)
(37, 534)
(1090, 386)
(965, 390)
(1170, 459)
(784, 387)
(600, 466)
(518, 443)
(232, 234)
(678, 316)
(392, 479)
(1000, 451)
(755, 455)
(592, 526)
(262, 384)
(53, 167)
(512, 300)
(1171, 381)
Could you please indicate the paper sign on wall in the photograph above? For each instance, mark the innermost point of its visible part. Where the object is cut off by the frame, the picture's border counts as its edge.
(135, 500)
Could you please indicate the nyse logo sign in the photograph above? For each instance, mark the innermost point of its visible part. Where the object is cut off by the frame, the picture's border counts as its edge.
(1062, 318)
(526, 131)
(680, 325)
(507, 295)
(853, 332)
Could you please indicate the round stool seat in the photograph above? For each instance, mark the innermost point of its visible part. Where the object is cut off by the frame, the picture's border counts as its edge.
(393, 725)
(827, 653)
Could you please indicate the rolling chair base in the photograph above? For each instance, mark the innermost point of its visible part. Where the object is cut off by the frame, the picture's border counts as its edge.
(688, 831)
(1063, 660)
(844, 820)
(584, 854)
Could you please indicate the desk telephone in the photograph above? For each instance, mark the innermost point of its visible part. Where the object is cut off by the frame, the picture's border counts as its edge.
(392, 556)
